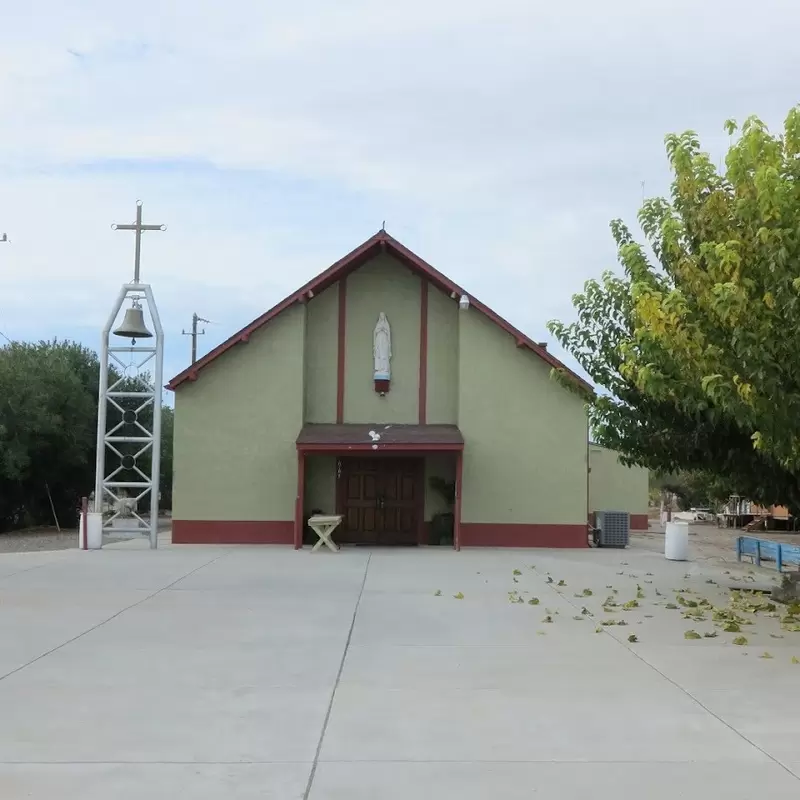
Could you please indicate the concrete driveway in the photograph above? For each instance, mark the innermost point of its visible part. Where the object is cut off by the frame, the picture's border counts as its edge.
(208, 672)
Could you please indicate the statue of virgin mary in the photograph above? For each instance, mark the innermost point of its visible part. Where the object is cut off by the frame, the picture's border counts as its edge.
(382, 353)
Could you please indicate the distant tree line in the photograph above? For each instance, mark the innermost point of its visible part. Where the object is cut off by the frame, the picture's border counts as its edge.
(48, 431)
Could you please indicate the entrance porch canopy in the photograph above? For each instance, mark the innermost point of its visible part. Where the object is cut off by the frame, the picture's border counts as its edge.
(379, 439)
(328, 438)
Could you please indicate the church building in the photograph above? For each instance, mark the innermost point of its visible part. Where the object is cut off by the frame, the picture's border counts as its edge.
(386, 393)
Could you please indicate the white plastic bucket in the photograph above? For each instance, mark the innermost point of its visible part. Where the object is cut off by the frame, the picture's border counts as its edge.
(94, 530)
(676, 541)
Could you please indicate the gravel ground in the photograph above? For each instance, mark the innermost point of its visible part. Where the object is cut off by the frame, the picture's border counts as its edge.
(48, 538)
(33, 539)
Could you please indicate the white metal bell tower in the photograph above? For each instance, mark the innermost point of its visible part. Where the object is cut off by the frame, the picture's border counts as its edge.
(128, 465)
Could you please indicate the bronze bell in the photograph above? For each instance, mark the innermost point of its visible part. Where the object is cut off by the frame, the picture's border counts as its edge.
(132, 325)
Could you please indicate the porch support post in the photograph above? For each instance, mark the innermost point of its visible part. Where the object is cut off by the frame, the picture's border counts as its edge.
(457, 508)
(299, 500)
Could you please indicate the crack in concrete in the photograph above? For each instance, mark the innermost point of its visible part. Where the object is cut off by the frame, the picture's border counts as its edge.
(314, 764)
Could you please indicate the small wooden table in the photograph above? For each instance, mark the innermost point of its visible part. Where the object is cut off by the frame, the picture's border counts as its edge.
(324, 526)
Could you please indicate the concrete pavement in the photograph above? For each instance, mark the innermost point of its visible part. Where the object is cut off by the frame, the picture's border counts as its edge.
(210, 672)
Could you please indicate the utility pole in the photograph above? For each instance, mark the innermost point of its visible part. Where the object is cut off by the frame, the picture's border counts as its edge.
(194, 333)
(4, 238)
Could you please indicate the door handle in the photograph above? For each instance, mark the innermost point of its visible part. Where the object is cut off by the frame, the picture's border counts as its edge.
(381, 502)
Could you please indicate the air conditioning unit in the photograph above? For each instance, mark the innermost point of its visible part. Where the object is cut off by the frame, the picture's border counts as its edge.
(613, 528)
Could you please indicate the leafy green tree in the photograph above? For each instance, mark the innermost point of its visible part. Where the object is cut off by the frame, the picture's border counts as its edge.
(48, 430)
(695, 352)
(47, 421)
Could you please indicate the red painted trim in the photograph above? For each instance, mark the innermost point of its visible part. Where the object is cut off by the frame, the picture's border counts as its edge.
(423, 352)
(639, 522)
(353, 261)
(206, 531)
(419, 493)
(489, 534)
(299, 501)
(379, 448)
(342, 339)
(457, 507)
(340, 487)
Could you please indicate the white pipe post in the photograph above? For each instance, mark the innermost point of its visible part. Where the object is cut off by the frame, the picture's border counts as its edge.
(155, 459)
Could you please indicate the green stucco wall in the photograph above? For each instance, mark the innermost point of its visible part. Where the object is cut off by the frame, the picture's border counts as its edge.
(382, 284)
(442, 465)
(615, 487)
(320, 488)
(236, 426)
(525, 453)
(442, 383)
(322, 351)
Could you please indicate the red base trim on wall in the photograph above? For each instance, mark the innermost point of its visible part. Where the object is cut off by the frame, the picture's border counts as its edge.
(206, 531)
(490, 534)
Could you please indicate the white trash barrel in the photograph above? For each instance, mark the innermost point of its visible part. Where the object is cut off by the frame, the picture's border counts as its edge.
(676, 541)
(94, 530)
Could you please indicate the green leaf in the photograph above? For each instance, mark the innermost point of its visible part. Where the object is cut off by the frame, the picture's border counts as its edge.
(561, 583)
(534, 601)
(633, 638)
(517, 572)
(765, 654)
(459, 596)
(437, 593)
(692, 635)
(740, 640)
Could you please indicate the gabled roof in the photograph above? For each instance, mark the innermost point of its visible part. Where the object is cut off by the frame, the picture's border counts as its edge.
(381, 242)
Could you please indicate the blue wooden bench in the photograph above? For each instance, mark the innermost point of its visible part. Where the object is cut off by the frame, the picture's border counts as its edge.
(764, 550)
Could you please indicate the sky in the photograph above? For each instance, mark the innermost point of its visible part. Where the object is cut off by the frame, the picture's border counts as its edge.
(496, 138)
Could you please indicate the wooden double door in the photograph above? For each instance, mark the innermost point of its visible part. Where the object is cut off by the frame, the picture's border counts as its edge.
(382, 500)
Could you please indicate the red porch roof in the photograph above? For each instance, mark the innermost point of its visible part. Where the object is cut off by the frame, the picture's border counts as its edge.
(379, 438)
(380, 242)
